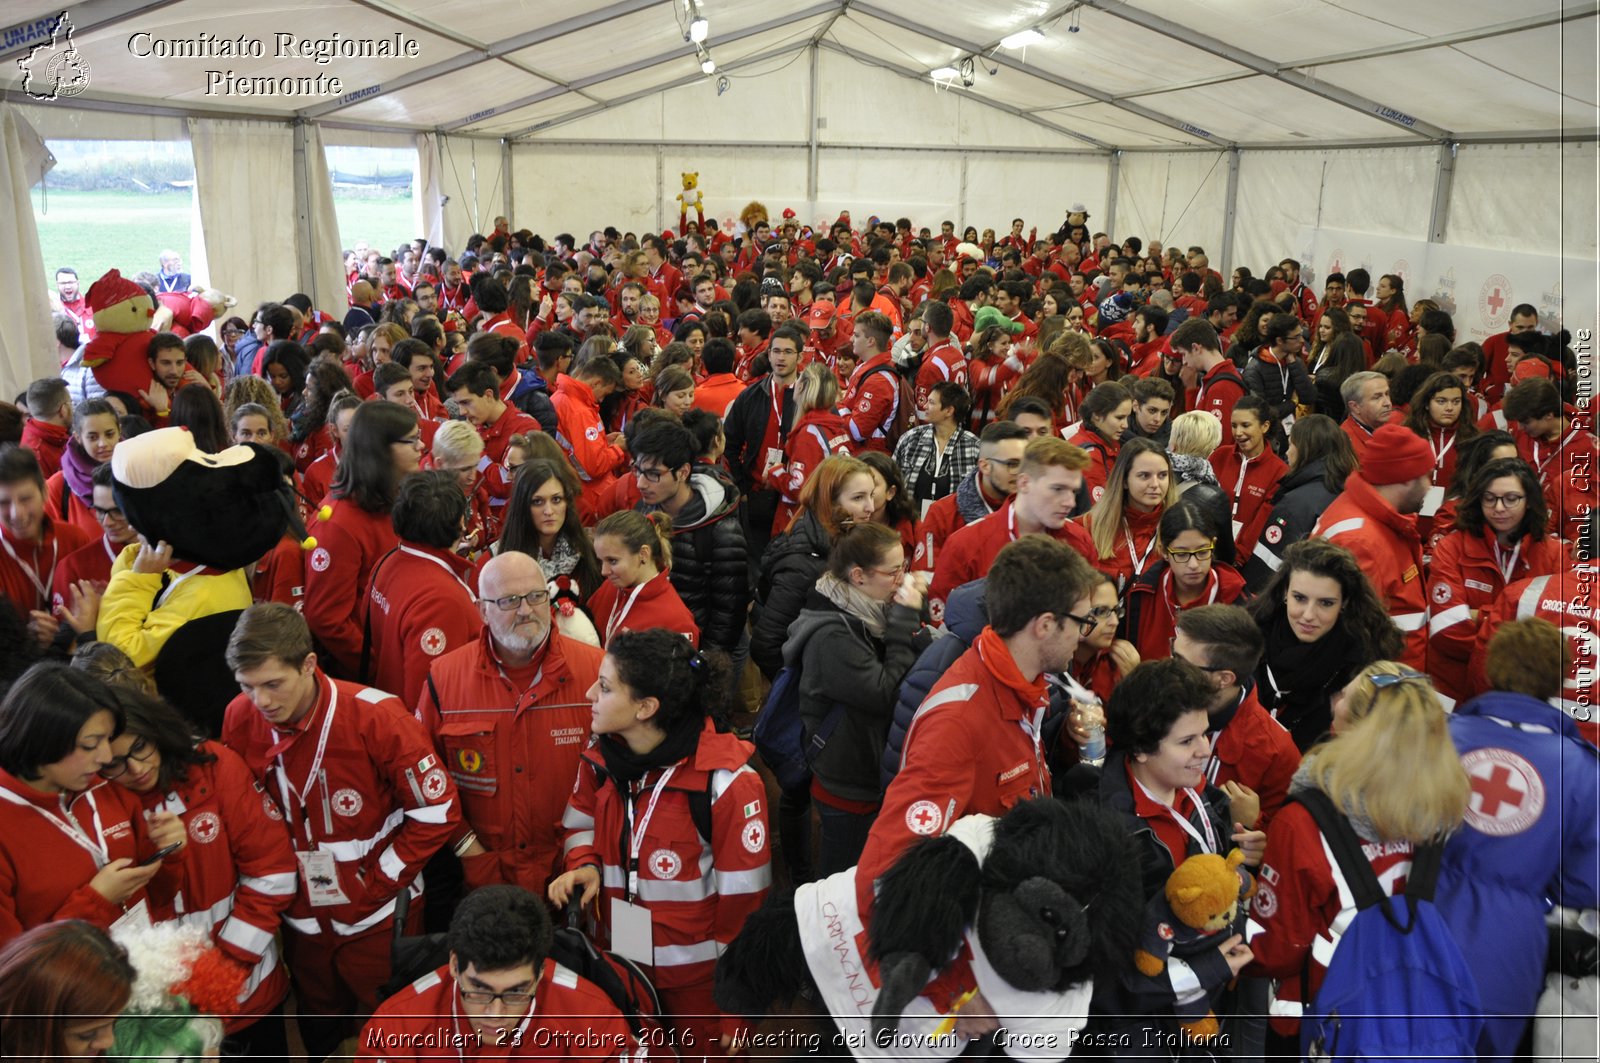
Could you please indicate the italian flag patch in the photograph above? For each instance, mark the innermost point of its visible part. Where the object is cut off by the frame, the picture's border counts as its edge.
(751, 809)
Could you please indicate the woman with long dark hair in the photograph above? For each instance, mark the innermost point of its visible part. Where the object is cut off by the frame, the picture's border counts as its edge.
(1322, 623)
(285, 369)
(1105, 414)
(892, 504)
(238, 881)
(62, 987)
(1320, 460)
(1501, 535)
(657, 754)
(353, 529)
(197, 408)
(308, 428)
(1391, 301)
(69, 494)
(1440, 413)
(541, 520)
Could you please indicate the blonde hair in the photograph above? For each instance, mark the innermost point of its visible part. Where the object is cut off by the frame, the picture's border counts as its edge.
(1196, 433)
(1420, 800)
(247, 389)
(457, 443)
(635, 531)
(818, 389)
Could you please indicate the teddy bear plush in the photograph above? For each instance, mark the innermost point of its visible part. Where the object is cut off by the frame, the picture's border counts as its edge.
(1201, 906)
(689, 198)
(119, 354)
(193, 312)
(1026, 910)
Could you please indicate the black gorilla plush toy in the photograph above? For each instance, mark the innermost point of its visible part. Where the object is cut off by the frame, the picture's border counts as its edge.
(1027, 910)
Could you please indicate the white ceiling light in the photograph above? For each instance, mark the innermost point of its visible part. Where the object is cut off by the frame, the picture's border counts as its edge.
(707, 65)
(1022, 38)
(698, 29)
(944, 73)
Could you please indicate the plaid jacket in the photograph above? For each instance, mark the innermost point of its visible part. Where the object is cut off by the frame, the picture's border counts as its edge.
(915, 454)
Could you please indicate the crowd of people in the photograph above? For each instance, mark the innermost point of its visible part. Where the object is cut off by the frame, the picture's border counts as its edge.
(1016, 517)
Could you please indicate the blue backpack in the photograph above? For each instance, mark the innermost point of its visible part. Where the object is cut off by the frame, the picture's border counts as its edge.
(780, 733)
(1397, 987)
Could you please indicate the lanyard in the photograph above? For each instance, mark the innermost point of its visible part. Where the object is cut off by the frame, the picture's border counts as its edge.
(110, 551)
(1238, 488)
(1213, 580)
(95, 847)
(1140, 559)
(1033, 727)
(1507, 565)
(618, 615)
(1209, 841)
(33, 573)
(172, 584)
(1538, 464)
(636, 834)
(404, 549)
(316, 764)
(1441, 448)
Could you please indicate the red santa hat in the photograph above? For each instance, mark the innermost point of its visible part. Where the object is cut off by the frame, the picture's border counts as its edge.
(111, 289)
(1396, 455)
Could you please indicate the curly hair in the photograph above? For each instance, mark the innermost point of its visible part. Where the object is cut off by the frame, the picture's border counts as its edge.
(1361, 612)
(1535, 515)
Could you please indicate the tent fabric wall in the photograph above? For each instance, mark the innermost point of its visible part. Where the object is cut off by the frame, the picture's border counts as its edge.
(1174, 197)
(565, 188)
(731, 177)
(27, 339)
(427, 211)
(1525, 197)
(245, 184)
(318, 237)
(470, 176)
(1036, 188)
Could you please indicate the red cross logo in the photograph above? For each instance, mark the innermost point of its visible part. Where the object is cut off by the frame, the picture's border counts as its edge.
(1507, 793)
(1496, 301)
(347, 802)
(924, 817)
(665, 863)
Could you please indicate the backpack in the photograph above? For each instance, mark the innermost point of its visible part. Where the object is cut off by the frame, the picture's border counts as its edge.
(1397, 986)
(780, 734)
(905, 406)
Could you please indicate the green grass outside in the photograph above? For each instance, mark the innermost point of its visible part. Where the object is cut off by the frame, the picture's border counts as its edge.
(97, 231)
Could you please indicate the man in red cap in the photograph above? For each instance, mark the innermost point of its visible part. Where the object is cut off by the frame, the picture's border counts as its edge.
(1375, 519)
(830, 333)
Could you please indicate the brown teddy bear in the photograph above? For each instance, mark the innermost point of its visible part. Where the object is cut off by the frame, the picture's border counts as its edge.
(1201, 906)
(119, 354)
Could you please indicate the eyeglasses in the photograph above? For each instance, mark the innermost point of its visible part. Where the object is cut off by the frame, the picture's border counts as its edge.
(649, 476)
(1102, 613)
(1387, 680)
(512, 602)
(1085, 624)
(106, 513)
(1013, 465)
(227, 332)
(511, 998)
(1183, 557)
(1172, 651)
(898, 571)
(1511, 501)
(140, 752)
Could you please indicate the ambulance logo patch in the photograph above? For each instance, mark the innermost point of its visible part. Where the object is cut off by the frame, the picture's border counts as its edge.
(864, 405)
(1507, 792)
(1441, 593)
(1165, 931)
(320, 559)
(592, 433)
(924, 817)
(433, 642)
(665, 863)
(1273, 534)
(470, 761)
(753, 837)
(433, 784)
(205, 827)
(270, 807)
(1266, 901)
(346, 802)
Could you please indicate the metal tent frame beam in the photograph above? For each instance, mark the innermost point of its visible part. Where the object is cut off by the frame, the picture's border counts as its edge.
(1057, 80)
(88, 17)
(1499, 29)
(1222, 50)
(477, 53)
(921, 76)
(681, 51)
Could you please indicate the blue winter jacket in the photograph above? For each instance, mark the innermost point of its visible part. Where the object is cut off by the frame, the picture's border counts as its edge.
(965, 615)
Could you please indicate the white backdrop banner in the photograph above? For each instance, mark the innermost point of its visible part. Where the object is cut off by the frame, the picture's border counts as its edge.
(1477, 286)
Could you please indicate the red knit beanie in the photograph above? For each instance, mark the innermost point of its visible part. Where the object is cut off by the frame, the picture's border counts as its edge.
(1395, 455)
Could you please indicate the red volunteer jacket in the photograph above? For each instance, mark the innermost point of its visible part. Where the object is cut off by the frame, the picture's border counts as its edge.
(238, 873)
(1359, 435)
(1568, 471)
(1132, 552)
(91, 562)
(969, 552)
(1153, 607)
(1255, 750)
(583, 437)
(813, 438)
(941, 364)
(570, 1018)
(512, 747)
(47, 441)
(419, 607)
(1565, 599)
(653, 603)
(943, 519)
(496, 441)
(1470, 574)
(1219, 389)
(60, 504)
(1385, 542)
(871, 403)
(338, 573)
(377, 798)
(1250, 482)
(27, 570)
(699, 890)
(1102, 456)
(51, 845)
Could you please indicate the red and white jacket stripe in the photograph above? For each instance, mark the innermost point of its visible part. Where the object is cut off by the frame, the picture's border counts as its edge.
(379, 801)
(698, 893)
(239, 872)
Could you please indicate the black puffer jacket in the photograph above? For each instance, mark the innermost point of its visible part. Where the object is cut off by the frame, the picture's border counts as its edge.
(709, 567)
(1300, 499)
(1267, 380)
(840, 662)
(789, 571)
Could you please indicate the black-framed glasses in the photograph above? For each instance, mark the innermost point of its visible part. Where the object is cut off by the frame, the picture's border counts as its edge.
(649, 476)
(106, 512)
(512, 602)
(1085, 624)
(1507, 501)
(1102, 613)
(511, 998)
(1172, 651)
(140, 752)
(1013, 465)
(1385, 680)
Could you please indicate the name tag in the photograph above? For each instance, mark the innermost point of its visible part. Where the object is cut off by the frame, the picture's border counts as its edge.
(319, 874)
(631, 933)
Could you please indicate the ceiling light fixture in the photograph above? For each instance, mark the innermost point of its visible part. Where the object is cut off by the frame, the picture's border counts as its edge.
(1022, 38)
(699, 28)
(944, 73)
(707, 65)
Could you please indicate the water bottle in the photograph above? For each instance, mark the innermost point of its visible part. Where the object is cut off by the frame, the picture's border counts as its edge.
(1094, 750)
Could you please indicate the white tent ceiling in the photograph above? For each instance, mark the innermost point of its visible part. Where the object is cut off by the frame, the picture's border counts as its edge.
(1131, 74)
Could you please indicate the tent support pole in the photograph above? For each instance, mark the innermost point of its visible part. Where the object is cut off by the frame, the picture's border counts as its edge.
(963, 206)
(1443, 181)
(1232, 214)
(1113, 176)
(661, 189)
(811, 137)
(305, 261)
(505, 179)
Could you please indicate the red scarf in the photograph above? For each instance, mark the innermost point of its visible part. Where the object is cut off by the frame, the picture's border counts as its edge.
(996, 657)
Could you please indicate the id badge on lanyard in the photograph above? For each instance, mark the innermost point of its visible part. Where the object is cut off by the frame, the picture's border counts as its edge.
(632, 933)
